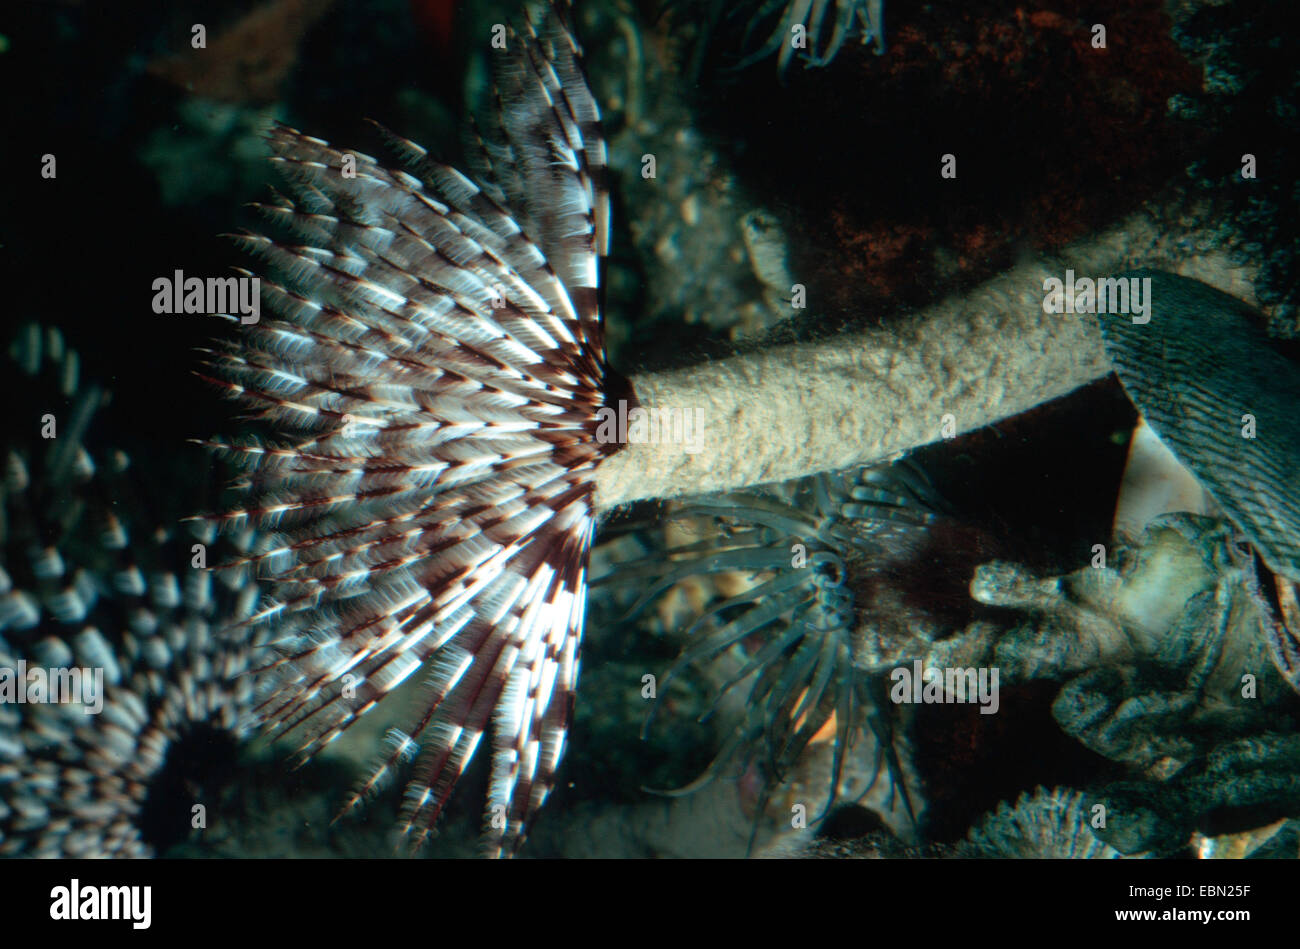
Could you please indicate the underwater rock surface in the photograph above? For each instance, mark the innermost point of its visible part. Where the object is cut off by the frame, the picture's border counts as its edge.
(765, 198)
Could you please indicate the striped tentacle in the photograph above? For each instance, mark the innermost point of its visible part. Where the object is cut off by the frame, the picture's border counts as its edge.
(433, 382)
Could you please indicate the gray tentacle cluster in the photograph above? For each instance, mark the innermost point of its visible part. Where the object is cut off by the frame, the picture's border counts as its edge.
(795, 635)
(826, 26)
(1045, 825)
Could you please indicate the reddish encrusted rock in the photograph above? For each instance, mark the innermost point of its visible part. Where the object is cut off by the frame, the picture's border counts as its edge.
(1053, 139)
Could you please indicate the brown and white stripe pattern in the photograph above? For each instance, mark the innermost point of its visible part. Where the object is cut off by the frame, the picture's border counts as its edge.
(433, 383)
(94, 578)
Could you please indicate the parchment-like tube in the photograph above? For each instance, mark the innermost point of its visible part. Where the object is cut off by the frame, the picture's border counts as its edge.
(794, 410)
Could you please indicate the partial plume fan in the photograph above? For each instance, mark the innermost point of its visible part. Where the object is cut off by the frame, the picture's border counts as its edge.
(434, 382)
(99, 592)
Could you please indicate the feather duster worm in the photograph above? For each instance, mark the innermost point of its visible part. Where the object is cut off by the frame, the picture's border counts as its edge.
(434, 381)
(94, 593)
